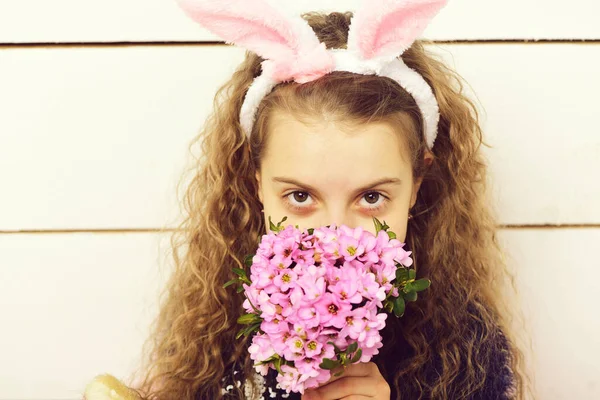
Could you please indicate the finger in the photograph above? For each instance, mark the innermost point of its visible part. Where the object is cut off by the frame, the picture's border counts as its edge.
(356, 369)
(348, 386)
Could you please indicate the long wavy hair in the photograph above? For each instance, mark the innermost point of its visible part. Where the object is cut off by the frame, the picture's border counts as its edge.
(192, 346)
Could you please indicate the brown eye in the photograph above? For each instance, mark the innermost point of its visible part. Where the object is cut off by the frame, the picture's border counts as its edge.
(374, 201)
(298, 200)
(300, 197)
(372, 197)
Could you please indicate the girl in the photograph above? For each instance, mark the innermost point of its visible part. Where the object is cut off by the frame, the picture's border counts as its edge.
(339, 149)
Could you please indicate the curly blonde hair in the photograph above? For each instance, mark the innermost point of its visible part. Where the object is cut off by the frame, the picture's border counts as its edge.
(452, 236)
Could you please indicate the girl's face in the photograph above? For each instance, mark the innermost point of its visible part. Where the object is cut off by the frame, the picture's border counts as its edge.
(326, 174)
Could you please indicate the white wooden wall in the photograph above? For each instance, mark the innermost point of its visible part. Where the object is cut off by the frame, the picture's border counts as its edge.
(98, 101)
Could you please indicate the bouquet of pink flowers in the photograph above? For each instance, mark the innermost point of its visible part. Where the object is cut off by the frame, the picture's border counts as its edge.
(317, 299)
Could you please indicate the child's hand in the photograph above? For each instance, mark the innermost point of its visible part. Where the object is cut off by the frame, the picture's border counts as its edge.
(361, 379)
(107, 387)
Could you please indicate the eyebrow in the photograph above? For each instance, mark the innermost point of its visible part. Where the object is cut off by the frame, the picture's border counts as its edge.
(382, 181)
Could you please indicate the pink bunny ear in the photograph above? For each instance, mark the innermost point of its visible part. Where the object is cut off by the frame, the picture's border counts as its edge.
(256, 25)
(252, 24)
(386, 28)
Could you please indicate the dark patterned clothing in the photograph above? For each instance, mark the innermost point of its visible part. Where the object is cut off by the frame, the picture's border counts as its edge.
(499, 383)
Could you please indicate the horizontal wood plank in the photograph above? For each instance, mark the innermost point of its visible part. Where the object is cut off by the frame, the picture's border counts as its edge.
(77, 305)
(161, 20)
(558, 280)
(96, 138)
(73, 307)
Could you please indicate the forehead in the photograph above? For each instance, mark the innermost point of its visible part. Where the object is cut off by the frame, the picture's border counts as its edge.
(321, 150)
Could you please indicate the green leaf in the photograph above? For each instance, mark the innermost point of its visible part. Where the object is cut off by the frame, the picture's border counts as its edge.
(399, 306)
(421, 284)
(278, 227)
(248, 260)
(329, 363)
(240, 289)
(277, 364)
(255, 327)
(352, 348)
(378, 225)
(248, 319)
(391, 235)
(310, 231)
(229, 283)
(343, 358)
(339, 373)
(258, 312)
(243, 332)
(412, 274)
(337, 349)
(388, 306)
(247, 330)
(272, 226)
(410, 296)
(357, 356)
(268, 360)
(402, 274)
(239, 272)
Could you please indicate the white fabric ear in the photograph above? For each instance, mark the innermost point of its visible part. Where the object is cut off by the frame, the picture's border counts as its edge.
(409, 79)
(415, 84)
(258, 89)
(380, 31)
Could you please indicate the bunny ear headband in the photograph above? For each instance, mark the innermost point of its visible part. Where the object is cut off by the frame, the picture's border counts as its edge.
(380, 31)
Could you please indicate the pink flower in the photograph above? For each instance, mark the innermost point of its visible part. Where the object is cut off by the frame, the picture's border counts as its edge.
(350, 248)
(326, 234)
(355, 323)
(323, 376)
(308, 316)
(307, 366)
(303, 257)
(308, 288)
(404, 257)
(346, 290)
(370, 287)
(386, 275)
(332, 312)
(285, 279)
(294, 349)
(369, 352)
(279, 261)
(374, 322)
(275, 327)
(261, 348)
(290, 379)
(296, 296)
(262, 369)
(269, 310)
(312, 348)
(313, 283)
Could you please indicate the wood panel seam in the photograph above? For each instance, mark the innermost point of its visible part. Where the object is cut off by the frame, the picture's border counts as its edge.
(170, 230)
(6, 45)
